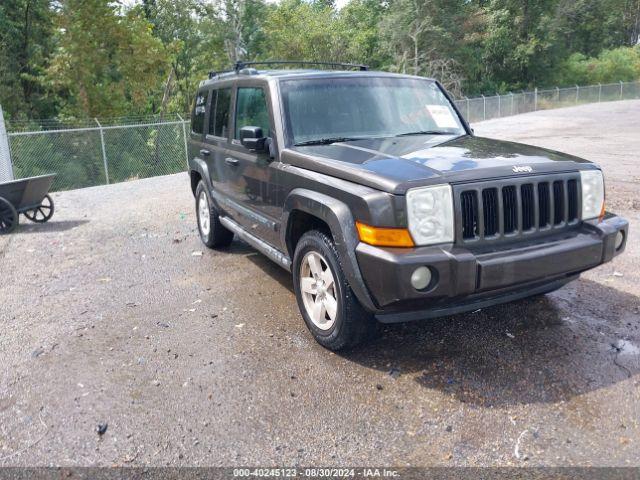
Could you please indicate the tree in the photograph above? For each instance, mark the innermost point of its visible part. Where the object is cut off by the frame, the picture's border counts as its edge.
(298, 30)
(106, 64)
(26, 44)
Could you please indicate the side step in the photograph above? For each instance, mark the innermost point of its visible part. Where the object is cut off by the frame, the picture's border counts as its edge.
(260, 245)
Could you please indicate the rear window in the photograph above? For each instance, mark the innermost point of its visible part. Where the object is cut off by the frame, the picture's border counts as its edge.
(197, 117)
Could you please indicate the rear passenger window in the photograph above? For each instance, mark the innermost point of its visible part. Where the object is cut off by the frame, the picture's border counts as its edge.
(251, 110)
(219, 116)
(197, 117)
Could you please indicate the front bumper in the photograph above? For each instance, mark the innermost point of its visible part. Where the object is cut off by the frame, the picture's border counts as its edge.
(465, 279)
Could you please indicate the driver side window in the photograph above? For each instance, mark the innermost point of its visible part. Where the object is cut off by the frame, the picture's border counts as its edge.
(251, 110)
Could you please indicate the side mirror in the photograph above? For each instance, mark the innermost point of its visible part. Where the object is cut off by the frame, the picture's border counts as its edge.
(252, 138)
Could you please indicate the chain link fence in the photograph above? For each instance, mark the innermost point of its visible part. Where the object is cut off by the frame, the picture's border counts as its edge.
(99, 152)
(485, 107)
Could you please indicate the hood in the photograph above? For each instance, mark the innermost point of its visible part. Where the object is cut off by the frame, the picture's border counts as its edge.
(397, 164)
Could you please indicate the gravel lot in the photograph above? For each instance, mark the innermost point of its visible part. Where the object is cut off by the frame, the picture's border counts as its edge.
(110, 315)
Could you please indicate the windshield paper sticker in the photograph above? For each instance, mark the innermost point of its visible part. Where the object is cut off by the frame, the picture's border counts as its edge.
(442, 116)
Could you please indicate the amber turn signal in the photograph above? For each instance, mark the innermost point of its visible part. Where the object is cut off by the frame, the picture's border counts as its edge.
(384, 237)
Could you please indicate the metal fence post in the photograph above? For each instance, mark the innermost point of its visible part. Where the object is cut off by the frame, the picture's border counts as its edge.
(104, 152)
(577, 93)
(511, 102)
(484, 107)
(535, 99)
(499, 106)
(184, 134)
(599, 92)
(558, 93)
(620, 89)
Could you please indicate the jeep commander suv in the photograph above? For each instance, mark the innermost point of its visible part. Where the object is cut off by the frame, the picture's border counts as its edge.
(372, 189)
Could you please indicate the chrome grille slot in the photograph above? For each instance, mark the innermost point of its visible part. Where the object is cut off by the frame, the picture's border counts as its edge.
(558, 202)
(490, 209)
(544, 205)
(469, 202)
(528, 210)
(572, 189)
(509, 208)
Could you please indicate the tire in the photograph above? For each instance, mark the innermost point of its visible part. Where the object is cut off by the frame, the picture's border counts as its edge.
(9, 217)
(43, 213)
(212, 233)
(351, 324)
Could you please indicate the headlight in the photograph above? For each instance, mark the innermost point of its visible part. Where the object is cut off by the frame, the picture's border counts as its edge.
(430, 214)
(592, 193)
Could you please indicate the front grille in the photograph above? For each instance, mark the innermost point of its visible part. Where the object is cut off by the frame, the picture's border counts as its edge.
(507, 208)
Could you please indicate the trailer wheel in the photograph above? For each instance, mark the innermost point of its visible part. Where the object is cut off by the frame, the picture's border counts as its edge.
(43, 213)
(8, 217)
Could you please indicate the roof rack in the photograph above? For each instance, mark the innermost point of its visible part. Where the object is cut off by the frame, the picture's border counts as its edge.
(240, 65)
(215, 73)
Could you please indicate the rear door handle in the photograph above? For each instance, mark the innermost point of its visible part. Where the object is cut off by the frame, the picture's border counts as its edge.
(205, 153)
(231, 161)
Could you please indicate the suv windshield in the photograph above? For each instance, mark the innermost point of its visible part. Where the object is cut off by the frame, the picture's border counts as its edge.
(338, 109)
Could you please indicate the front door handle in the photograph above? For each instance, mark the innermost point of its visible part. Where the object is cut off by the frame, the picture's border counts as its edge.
(231, 161)
(205, 153)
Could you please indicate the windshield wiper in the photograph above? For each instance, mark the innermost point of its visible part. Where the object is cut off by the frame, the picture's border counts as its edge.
(425, 132)
(327, 141)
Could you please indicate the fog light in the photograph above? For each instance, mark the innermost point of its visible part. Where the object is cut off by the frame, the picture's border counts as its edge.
(619, 240)
(421, 278)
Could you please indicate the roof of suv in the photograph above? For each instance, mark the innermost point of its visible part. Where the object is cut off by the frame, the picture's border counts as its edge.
(300, 73)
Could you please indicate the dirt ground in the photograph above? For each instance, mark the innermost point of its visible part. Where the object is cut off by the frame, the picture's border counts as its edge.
(115, 314)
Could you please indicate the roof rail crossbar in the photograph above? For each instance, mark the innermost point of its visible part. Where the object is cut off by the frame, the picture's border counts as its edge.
(241, 65)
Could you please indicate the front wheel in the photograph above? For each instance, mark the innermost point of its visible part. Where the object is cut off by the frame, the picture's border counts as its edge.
(329, 308)
(212, 233)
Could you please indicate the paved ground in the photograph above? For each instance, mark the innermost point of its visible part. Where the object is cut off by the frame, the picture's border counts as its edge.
(108, 317)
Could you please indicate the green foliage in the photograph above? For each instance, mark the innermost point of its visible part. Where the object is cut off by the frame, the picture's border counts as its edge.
(301, 30)
(620, 64)
(26, 44)
(86, 58)
(106, 64)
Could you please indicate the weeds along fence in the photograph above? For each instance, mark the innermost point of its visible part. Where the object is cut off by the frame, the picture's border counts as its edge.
(99, 151)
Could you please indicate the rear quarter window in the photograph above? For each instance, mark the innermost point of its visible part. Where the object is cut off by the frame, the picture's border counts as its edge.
(197, 116)
(220, 109)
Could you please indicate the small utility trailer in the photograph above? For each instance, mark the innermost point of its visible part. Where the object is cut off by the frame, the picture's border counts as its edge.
(28, 196)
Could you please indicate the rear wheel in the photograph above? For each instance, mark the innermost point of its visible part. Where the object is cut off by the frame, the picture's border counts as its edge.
(212, 233)
(43, 213)
(8, 217)
(329, 308)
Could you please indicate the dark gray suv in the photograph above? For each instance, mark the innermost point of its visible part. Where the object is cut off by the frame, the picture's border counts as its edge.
(373, 191)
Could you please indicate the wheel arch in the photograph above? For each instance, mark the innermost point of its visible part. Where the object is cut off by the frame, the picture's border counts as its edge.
(199, 171)
(320, 211)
